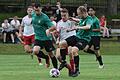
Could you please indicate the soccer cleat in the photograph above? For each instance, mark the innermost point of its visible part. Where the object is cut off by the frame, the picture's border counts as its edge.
(75, 74)
(101, 66)
(62, 65)
(40, 64)
(70, 73)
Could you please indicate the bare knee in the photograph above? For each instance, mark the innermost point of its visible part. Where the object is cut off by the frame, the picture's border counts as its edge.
(36, 49)
(75, 51)
(63, 44)
(27, 49)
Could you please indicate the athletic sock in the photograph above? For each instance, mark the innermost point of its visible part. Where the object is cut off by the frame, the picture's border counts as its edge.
(76, 61)
(100, 60)
(54, 62)
(39, 59)
(41, 55)
(72, 65)
(63, 54)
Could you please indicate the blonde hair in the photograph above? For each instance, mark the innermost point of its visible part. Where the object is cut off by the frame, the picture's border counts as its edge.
(82, 9)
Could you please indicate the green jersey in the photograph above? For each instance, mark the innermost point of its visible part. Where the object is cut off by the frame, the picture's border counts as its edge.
(85, 34)
(40, 24)
(96, 25)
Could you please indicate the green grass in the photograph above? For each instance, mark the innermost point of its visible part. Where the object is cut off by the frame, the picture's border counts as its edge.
(107, 48)
(22, 67)
(16, 65)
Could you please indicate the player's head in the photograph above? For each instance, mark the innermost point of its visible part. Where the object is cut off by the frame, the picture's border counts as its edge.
(64, 14)
(81, 11)
(5, 21)
(15, 17)
(91, 11)
(37, 8)
(29, 10)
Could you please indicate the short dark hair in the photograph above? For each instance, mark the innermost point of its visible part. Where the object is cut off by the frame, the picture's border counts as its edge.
(37, 5)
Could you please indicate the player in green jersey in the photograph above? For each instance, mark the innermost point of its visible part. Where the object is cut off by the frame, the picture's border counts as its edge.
(42, 28)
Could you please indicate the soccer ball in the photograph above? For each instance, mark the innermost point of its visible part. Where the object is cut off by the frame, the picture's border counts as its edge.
(54, 72)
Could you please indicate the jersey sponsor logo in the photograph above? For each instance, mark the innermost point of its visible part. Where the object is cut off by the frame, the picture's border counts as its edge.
(39, 21)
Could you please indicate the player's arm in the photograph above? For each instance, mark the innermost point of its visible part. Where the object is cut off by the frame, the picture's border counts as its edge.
(51, 26)
(88, 25)
(74, 19)
(84, 27)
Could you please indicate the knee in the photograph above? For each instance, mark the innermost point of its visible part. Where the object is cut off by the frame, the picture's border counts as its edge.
(75, 51)
(36, 50)
(63, 44)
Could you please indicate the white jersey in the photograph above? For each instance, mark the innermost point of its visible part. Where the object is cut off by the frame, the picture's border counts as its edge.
(62, 27)
(27, 24)
(15, 24)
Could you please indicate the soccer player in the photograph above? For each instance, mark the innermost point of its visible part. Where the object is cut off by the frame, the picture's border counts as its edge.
(28, 32)
(95, 38)
(43, 27)
(82, 38)
(62, 27)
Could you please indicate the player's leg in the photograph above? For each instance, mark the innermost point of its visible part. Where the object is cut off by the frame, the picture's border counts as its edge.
(80, 45)
(58, 55)
(76, 60)
(72, 64)
(63, 52)
(32, 40)
(69, 67)
(97, 52)
(37, 51)
(89, 48)
(50, 48)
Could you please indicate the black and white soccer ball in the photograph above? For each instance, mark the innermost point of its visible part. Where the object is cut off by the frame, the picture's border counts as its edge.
(54, 72)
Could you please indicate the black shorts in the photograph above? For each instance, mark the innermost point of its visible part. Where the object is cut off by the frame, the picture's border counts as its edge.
(8, 32)
(95, 41)
(47, 44)
(75, 41)
(15, 30)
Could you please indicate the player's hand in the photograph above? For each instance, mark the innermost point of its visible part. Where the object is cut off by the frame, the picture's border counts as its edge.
(47, 32)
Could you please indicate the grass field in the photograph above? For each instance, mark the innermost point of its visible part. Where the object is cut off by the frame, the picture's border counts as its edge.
(22, 67)
(15, 64)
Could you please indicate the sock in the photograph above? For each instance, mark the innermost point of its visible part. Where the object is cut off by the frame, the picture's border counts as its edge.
(69, 67)
(41, 55)
(63, 54)
(100, 60)
(90, 51)
(72, 65)
(54, 62)
(76, 61)
(39, 59)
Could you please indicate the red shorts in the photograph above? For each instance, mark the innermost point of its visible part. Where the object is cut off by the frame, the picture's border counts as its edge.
(28, 40)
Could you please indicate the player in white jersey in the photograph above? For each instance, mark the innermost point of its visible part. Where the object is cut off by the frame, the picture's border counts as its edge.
(62, 26)
(28, 33)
